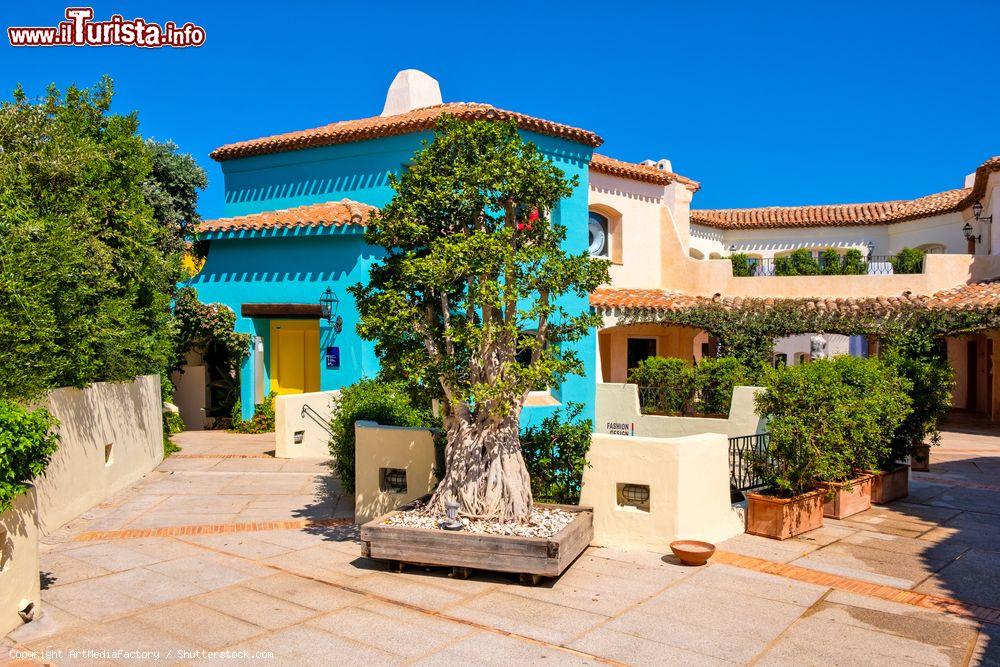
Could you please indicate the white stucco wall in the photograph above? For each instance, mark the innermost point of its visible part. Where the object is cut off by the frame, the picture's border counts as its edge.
(290, 420)
(19, 561)
(122, 419)
(688, 481)
(378, 447)
(617, 411)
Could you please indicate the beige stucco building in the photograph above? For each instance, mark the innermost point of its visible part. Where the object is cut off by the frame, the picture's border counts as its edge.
(668, 254)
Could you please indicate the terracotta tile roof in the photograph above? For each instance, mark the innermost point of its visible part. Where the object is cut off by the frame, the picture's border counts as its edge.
(847, 215)
(875, 213)
(325, 214)
(974, 296)
(639, 172)
(416, 120)
(968, 297)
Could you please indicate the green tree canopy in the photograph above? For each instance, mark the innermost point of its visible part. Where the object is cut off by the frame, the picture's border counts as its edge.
(468, 299)
(86, 269)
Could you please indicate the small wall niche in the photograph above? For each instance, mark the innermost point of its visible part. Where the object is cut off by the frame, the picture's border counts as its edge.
(392, 480)
(109, 454)
(633, 497)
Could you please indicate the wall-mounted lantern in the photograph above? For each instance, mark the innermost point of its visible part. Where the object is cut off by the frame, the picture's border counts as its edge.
(977, 212)
(871, 248)
(969, 236)
(328, 305)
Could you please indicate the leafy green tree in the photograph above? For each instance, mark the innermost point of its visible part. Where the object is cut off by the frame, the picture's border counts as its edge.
(798, 263)
(85, 282)
(474, 275)
(715, 380)
(854, 263)
(741, 265)
(171, 189)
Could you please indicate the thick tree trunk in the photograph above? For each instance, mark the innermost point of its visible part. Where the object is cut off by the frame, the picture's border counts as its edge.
(485, 472)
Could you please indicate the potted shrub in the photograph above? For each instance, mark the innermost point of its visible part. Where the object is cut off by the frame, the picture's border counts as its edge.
(921, 359)
(873, 401)
(790, 503)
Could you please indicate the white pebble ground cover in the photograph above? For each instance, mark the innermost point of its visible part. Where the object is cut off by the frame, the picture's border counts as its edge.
(545, 522)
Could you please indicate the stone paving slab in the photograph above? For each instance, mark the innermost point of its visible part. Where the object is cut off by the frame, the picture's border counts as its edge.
(305, 594)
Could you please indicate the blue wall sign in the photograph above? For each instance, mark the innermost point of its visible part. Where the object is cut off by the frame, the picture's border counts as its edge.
(333, 357)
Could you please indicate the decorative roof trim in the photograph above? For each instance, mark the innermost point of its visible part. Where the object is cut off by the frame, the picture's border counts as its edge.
(850, 215)
(416, 120)
(973, 296)
(324, 214)
(639, 172)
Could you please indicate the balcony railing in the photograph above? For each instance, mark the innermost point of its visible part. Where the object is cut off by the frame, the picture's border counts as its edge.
(875, 265)
(747, 456)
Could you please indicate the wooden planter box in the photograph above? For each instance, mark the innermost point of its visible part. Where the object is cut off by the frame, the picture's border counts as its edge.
(781, 518)
(844, 499)
(892, 485)
(530, 557)
(920, 460)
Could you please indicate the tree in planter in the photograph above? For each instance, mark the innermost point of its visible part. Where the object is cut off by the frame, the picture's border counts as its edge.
(474, 275)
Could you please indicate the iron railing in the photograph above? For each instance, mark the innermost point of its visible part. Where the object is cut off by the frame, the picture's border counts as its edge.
(660, 401)
(308, 411)
(875, 265)
(747, 457)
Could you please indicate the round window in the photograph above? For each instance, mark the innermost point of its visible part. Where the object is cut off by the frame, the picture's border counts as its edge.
(598, 235)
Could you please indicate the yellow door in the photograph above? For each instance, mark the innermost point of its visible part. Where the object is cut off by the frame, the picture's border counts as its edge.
(294, 356)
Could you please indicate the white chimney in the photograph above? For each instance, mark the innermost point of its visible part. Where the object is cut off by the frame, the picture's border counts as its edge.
(411, 89)
(662, 165)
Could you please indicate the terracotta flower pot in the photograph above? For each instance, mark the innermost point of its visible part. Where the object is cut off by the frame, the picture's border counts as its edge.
(781, 518)
(920, 460)
(892, 485)
(844, 499)
(692, 552)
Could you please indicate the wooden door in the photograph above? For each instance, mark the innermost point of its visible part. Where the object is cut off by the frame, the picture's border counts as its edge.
(294, 356)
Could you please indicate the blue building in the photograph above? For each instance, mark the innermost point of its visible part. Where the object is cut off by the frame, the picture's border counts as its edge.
(296, 207)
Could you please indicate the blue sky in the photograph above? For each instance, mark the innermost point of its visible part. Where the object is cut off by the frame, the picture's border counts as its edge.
(765, 103)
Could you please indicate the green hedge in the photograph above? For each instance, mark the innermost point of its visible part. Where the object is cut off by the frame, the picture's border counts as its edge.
(262, 420)
(27, 443)
(555, 454)
(680, 387)
(368, 400)
(829, 420)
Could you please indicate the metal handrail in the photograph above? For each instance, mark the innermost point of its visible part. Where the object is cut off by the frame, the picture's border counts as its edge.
(309, 411)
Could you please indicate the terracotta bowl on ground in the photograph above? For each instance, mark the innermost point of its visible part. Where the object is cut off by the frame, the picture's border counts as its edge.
(692, 552)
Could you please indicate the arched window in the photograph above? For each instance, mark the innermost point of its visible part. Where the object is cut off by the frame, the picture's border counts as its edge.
(932, 248)
(696, 254)
(600, 235)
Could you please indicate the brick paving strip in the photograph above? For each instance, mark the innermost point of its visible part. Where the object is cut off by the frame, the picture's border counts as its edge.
(809, 576)
(208, 529)
(221, 456)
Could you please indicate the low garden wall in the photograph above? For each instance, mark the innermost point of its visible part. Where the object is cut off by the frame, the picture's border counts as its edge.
(19, 562)
(685, 481)
(382, 451)
(110, 435)
(617, 412)
(302, 433)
